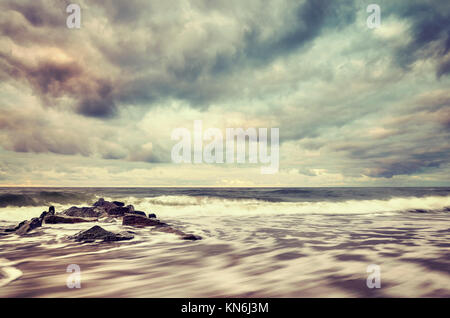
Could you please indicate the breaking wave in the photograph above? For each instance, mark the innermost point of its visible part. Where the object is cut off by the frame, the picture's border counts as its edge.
(186, 205)
(44, 198)
(19, 204)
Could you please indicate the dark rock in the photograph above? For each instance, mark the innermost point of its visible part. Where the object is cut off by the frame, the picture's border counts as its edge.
(119, 211)
(139, 220)
(24, 227)
(130, 208)
(118, 203)
(98, 233)
(106, 205)
(57, 219)
(85, 212)
(191, 237)
(418, 211)
(99, 202)
(51, 211)
(15, 228)
(140, 213)
(43, 214)
(28, 226)
(9, 230)
(152, 215)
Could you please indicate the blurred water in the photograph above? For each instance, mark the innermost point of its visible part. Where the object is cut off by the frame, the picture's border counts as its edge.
(252, 246)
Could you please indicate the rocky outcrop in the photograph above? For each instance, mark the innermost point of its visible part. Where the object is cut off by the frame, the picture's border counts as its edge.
(51, 211)
(60, 219)
(13, 229)
(106, 205)
(25, 227)
(139, 220)
(28, 226)
(191, 237)
(119, 211)
(98, 233)
(114, 208)
(142, 213)
(85, 212)
(103, 212)
(118, 203)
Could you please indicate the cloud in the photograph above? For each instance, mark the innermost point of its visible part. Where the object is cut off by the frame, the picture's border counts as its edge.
(150, 68)
(352, 104)
(52, 79)
(430, 31)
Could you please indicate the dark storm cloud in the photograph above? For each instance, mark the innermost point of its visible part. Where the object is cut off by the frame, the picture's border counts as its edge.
(40, 13)
(389, 159)
(414, 164)
(310, 18)
(92, 94)
(51, 80)
(100, 103)
(430, 23)
(46, 78)
(197, 76)
(201, 78)
(443, 68)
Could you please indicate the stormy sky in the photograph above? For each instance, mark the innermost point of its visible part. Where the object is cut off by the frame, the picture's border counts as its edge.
(96, 106)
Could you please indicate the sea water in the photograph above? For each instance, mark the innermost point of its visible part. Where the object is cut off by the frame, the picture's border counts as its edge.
(257, 242)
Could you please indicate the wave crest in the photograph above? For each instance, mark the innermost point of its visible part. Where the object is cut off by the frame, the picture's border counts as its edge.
(43, 198)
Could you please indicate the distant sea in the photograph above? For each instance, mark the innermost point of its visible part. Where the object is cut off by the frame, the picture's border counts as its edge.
(300, 200)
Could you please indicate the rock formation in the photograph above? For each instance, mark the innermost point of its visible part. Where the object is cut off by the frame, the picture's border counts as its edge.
(60, 219)
(139, 220)
(102, 211)
(98, 233)
(85, 212)
(28, 226)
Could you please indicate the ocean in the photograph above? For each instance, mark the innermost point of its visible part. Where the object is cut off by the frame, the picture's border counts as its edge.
(257, 242)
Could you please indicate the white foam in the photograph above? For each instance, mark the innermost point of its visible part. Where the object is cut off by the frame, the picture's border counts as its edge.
(199, 206)
(173, 206)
